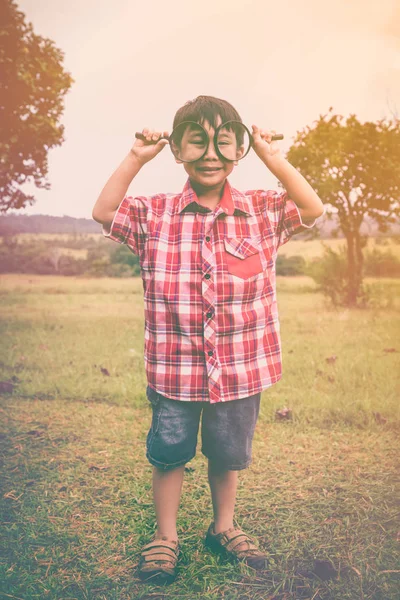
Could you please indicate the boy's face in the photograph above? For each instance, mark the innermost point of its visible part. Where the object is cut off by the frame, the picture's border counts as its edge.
(210, 170)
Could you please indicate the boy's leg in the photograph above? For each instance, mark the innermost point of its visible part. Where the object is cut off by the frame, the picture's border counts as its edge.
(227, 436)
(167, 488)
(159, 557)
(223, 486)
(171, 443)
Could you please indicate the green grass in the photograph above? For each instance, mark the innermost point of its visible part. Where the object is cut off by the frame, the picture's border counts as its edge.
(76, 486)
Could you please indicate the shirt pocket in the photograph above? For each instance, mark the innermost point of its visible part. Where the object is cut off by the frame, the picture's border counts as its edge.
(243, 257)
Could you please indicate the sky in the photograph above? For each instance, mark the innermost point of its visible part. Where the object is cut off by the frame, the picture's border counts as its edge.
(281, 64)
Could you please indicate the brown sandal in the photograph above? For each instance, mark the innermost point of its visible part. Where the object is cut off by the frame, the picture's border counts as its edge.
(158, 561)
(235, 544)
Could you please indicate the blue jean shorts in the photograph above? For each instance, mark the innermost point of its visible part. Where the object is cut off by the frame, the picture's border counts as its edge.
(227, 430)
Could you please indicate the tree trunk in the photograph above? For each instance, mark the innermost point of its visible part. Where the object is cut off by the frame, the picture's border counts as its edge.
(355, 264)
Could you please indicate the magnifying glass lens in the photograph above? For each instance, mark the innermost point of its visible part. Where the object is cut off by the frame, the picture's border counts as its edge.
(188, 141)
(233, 140)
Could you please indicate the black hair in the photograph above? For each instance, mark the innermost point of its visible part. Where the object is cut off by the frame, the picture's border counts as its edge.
(206, 108)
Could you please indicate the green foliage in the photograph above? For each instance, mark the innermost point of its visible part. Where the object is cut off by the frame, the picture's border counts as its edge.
(381, 264)
(123, 256)
(330, 272)
(41, 257)
(20, 258)
(33, 84)
(354, 168)
(290, 265)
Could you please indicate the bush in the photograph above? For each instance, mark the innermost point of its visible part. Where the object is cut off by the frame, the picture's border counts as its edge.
(71, 266)
(24, 258)
(42, 257)
(381, 264)
(101, 267)
(330, 273)
(290, 265)
(123, 256)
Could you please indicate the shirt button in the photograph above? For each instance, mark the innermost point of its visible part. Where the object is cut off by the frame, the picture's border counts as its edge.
(207, 275)
(208, 238)
(210, 353)
(209, 315)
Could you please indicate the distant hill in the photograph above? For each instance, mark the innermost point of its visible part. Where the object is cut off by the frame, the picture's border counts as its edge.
(13, 224)
(10, 224)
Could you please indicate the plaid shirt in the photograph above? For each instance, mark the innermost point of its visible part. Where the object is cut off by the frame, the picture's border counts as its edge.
(211, 321)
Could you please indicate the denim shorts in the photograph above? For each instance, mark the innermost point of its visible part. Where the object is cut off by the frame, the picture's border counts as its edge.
(227, 430)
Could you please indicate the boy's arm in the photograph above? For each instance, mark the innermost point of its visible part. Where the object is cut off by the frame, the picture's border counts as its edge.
(299, 190)
(115, 189)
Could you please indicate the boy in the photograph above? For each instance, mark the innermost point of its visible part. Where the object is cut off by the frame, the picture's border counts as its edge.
(212, 342)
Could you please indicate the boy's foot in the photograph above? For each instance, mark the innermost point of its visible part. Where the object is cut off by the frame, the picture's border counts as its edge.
(158, 561)
(235, 544)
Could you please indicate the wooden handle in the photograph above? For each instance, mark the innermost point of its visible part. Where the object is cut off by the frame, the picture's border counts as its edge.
(140, 136)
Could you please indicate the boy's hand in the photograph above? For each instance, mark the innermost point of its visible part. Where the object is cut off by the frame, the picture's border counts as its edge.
(263, 146)
(147, 150)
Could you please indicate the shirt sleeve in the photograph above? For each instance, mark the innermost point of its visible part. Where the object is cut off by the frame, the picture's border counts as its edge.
(129, 225)
(284, 216)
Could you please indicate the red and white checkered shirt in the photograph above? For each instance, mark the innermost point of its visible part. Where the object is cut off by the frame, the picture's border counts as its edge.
(211, 321)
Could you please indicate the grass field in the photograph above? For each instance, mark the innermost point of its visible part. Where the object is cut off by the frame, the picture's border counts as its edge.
(76, 486)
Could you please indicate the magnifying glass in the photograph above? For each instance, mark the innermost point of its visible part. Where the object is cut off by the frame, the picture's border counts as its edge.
(189, 141)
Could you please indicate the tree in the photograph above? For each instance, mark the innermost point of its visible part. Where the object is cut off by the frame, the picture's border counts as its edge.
(355, 170)
(32, 86)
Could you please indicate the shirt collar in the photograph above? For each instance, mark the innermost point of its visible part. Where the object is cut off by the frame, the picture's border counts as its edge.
(232, 201)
